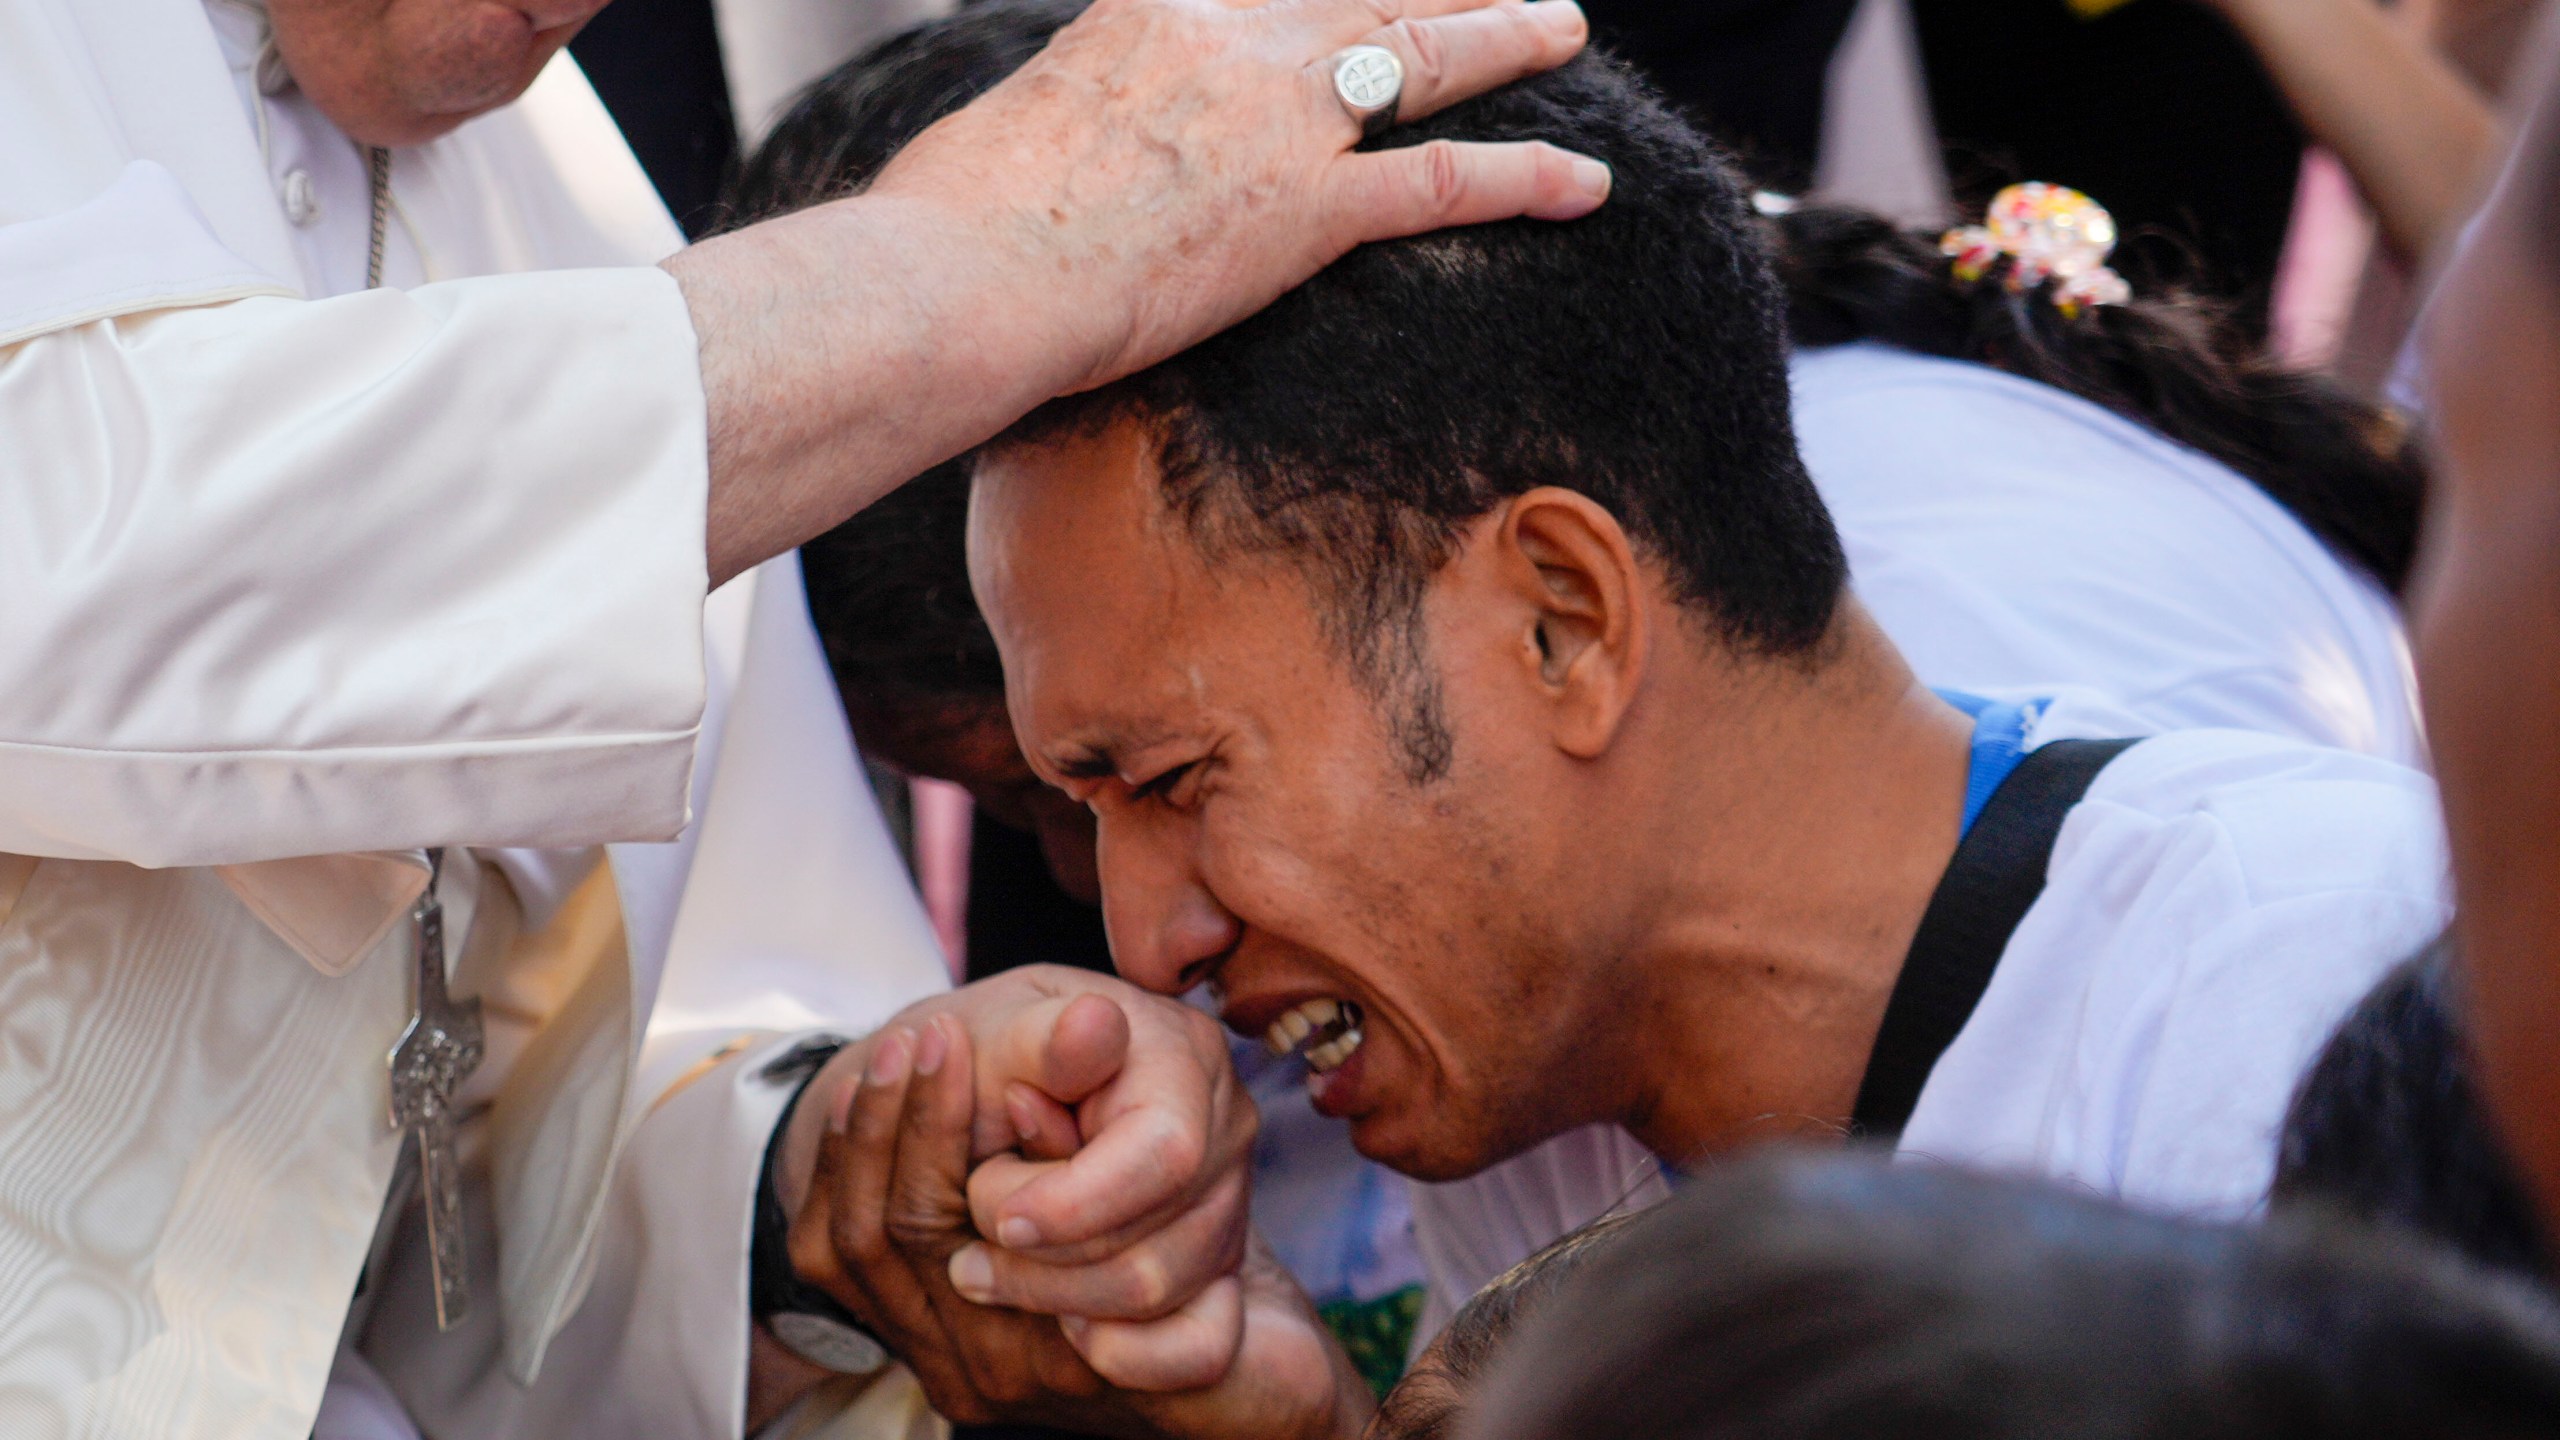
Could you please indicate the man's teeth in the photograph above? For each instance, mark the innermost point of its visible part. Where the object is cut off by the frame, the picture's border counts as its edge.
(1298, 1023)
(1332, 1025)
(1328, 1057)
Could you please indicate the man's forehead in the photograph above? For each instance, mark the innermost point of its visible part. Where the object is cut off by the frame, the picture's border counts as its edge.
(1089, 591)
(1068, 532)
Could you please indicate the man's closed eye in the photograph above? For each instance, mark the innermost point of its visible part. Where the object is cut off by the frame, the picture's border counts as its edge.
(1164, 785)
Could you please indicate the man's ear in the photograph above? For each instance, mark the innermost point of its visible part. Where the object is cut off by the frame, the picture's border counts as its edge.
(1589, 631)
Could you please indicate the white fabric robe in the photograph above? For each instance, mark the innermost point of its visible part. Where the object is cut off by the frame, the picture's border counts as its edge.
(295, 582)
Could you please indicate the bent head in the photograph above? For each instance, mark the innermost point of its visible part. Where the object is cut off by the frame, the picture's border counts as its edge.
(402, 72)
(1855, 1295)
(1354, 625)
(912, 659)
(1431, 1400)
(889, 588)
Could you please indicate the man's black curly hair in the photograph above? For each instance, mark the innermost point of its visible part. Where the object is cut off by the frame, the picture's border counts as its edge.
(1359, 423)
(1636, 356)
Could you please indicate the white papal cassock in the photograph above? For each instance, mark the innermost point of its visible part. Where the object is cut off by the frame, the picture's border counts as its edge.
(296, 579)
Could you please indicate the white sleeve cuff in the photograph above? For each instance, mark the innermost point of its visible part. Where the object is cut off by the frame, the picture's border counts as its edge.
(387, 570)
(658, 1346)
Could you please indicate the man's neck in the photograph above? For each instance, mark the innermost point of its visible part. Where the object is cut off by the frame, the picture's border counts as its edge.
(1809, 822)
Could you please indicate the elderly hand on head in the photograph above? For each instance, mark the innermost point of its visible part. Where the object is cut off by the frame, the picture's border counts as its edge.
(1164, 169)
(1097, 1134)
(1184, 163)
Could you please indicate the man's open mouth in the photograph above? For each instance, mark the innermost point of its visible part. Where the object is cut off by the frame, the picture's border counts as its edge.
(1326, 1032)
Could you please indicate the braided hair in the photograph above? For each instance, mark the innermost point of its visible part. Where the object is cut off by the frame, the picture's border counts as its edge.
(2350, 471)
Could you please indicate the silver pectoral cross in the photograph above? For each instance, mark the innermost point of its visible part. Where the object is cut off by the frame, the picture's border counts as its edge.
(435, 1055)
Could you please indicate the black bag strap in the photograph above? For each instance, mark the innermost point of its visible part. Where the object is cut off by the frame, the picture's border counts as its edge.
(1997, 873)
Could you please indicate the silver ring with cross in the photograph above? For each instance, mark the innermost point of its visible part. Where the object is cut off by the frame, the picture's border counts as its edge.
(1369, 81)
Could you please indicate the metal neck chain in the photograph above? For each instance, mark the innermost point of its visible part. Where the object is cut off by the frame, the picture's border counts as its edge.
(378, 166)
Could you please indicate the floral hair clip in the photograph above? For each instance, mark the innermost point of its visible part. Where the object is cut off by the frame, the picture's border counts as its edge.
(2047, 232)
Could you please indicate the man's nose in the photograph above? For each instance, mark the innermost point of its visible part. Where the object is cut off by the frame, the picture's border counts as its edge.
(1168, 932)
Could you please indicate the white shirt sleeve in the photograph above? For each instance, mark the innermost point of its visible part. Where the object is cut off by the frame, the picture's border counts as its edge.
(659, 1344)
(2213, 909)
(392, 569)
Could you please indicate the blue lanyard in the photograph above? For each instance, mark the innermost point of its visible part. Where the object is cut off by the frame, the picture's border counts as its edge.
(1999, 743)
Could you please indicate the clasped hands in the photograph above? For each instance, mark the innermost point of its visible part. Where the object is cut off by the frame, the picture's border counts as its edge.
(1034, 1190)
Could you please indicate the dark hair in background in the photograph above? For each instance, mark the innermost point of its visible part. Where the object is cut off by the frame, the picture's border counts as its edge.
(1637, 356)
(2387, 1126)
(889, 595)
(842, 131)
(1841, 1297)
(2169, 361)
(889, 588)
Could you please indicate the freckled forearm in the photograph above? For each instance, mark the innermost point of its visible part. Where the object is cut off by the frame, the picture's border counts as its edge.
(850, 347)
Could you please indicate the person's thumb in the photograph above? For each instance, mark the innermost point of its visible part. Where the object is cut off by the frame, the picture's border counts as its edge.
(1065, 1048)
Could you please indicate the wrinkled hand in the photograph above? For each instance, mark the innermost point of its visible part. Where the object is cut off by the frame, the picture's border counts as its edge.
(1104, 1144)
(889, 1208)
(1184, 162)
(1164, 169)
(1136, 1088)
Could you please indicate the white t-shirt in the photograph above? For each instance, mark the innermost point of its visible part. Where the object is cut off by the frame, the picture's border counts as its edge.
(2214, 906)
(2008, 535)
(2015, 539)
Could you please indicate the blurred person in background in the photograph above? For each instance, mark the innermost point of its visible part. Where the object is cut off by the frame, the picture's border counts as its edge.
(1820, 1297)
(2190, 117)
(2399, 100)
(2390, 1128)
(1429, 1401)
(2488, 633)
(2154, 104)
(2416, 134)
